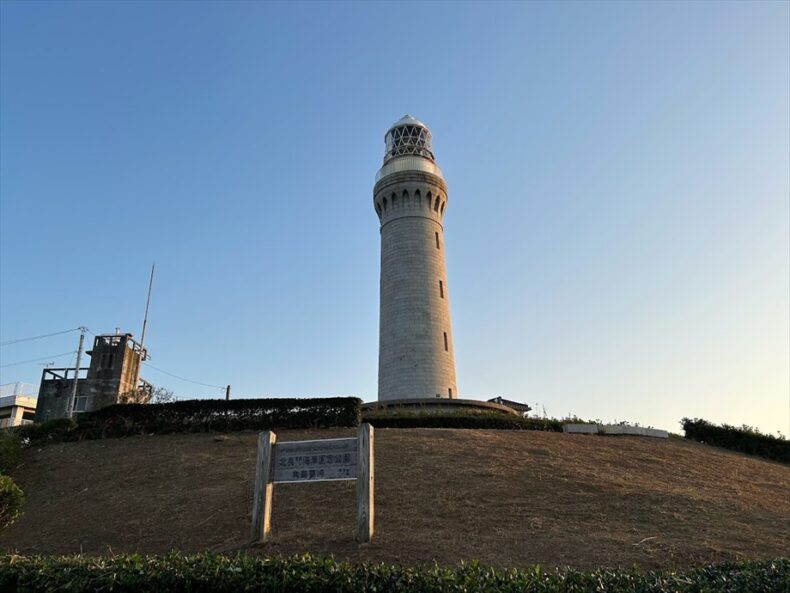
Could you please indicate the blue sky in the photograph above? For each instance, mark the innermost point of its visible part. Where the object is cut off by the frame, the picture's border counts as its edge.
(618, 227)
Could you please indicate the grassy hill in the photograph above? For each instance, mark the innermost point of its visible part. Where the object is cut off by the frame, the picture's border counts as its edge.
(507, 498)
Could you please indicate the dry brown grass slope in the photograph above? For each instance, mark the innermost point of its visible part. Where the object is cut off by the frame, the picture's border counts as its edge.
(507, 498)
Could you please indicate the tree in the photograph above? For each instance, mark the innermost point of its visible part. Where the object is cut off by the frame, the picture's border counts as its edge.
(147, 395)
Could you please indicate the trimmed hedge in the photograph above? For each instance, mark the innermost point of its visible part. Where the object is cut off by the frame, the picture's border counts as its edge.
(60, 429)
(744, 440)
(199, 415)
(461, 420)
(177, 573)
(11, 500)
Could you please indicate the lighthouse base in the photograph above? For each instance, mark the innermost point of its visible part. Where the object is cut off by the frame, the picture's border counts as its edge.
(435, 405)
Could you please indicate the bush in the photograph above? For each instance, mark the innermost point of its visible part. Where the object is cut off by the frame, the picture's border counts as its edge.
(59, 429)
(177, 573)
(744, 440)
(11, 500)
(10, 450)
(201, 415)
(460, 420)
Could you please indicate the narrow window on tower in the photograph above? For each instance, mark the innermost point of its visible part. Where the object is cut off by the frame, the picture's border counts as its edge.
(446, 348)
(437, 241)
(450, 392)
(441, 289)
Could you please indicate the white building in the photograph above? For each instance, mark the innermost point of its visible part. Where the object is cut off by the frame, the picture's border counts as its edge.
(17, 404)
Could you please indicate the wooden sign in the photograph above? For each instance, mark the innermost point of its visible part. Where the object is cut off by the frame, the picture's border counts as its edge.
(314, 461)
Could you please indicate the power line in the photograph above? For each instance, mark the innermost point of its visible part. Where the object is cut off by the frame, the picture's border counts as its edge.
(73, 352)
(13, 364)
(73, 361)
(65, 331)
(148, 364)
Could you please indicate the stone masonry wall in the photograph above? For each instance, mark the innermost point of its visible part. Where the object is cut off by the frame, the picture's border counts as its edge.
(414, 309)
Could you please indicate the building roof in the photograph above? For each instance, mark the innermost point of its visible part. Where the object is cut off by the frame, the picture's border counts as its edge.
(408, 120)
(18, 388)
(515, 405)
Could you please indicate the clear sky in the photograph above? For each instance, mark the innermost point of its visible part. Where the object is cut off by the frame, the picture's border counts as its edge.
(618, 227)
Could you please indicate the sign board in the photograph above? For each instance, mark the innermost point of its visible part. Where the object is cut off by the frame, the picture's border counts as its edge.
(315, 461)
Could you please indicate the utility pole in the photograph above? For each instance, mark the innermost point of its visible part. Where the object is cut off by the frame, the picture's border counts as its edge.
(73, 398)
(227, 393)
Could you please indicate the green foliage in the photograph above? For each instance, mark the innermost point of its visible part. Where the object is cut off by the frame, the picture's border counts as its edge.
(745, 439)
(11, 500)
(176, 573)
(489, 420)
(10, 450)
(11, 496)
(60, 429)
(201, 415)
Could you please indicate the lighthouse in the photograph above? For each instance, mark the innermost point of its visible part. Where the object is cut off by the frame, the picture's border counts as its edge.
(416, 358)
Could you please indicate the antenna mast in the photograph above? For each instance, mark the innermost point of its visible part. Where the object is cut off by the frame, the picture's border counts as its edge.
(147, 302)
(143, 353)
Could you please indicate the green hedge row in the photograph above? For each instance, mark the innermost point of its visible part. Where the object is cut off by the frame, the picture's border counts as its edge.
(744, 440)
(488, 420)
(200, 415)
(304, 574)
(61, 429)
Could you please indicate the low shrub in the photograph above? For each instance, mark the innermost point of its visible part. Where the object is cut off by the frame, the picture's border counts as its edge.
(200, 415)
(10, 450)
(177, 573)
(487, 420)
(744, 439)
(11, 500)
(60, 429)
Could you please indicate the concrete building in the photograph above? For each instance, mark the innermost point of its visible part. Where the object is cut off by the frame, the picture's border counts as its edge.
(17, 404)
(415, 338)
(112, 377)
(519, 407)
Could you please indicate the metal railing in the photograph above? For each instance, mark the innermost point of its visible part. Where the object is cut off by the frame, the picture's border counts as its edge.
(18, 388)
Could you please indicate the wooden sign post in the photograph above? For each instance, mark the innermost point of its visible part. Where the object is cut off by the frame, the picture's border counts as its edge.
(262, 501)
(365, 505)
(314, 461)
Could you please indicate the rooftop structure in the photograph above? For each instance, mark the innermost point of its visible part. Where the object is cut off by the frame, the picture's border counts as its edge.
(519, 407)
(111, 378)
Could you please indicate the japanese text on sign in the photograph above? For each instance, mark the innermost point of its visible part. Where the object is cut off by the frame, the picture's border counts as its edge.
(313, 461)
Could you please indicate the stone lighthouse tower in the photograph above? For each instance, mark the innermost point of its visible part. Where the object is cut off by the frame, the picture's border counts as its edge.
(415, 340)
